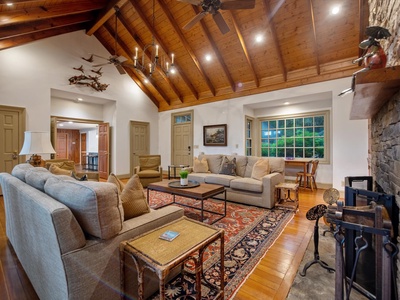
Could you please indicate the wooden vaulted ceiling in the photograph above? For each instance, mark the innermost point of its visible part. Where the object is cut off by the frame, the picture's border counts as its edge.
(303, 42)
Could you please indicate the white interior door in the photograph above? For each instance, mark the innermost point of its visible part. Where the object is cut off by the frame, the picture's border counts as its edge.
(182, 138)
(140, 142)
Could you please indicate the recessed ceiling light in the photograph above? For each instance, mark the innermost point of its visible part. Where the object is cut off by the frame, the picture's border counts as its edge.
(9, 4)
(61, 124)
(208, 57)
(173, 70)
(70, 122)
(146, 80)
(335, 10)
(79, 99)
(259, 38)
(286, 103)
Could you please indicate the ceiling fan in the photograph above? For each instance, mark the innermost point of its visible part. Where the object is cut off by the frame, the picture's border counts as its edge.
(117, 61)
(212, 7)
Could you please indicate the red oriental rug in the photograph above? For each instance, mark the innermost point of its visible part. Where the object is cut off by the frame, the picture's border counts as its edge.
(249, 233)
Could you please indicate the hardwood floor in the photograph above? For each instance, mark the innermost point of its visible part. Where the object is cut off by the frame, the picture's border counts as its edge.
(271, 279)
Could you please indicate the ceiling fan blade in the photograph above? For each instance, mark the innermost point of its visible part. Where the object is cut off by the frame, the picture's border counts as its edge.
(196, 19)
(238, 4)
(100, 65)
(121, 59)
(106, 58)
(120, 69)
(219, 20)
(193, 2)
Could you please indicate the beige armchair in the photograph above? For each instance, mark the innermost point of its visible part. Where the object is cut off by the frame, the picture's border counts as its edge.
(149, 169)
(69, 165)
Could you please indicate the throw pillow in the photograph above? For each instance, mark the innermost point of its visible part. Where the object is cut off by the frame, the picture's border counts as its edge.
(56, 170)
(228, 167)
(200, 166)
(133, 199)
(112, 178)
(260, 169)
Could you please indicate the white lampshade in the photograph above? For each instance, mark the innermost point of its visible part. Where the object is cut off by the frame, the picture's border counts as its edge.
(37, 142)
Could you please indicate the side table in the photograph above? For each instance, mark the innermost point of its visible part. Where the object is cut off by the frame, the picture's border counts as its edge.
(287, 194)
(148, 251)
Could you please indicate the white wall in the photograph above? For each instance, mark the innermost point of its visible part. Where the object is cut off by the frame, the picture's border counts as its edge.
(349, 140)
(29, 72)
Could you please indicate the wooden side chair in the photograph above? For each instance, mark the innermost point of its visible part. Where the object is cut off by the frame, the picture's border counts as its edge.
(309, 176)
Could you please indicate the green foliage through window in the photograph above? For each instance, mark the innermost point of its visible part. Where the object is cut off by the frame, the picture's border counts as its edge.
(298, 137)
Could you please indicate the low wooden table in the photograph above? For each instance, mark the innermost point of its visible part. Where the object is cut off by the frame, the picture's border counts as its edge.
(161, 256)
(201, 192)
(283, 194)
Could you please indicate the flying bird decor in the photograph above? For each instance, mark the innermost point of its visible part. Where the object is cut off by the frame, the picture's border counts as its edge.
(89, 80)
(212, 7)
(374, 57)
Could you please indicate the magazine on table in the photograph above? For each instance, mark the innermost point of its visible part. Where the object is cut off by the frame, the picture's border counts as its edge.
(169, 235)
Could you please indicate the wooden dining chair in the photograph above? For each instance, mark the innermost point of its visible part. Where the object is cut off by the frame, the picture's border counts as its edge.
(309, 176)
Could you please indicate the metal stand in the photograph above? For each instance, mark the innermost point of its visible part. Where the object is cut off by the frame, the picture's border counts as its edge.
(316, 213)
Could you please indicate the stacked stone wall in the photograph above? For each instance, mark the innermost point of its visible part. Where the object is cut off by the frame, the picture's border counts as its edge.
(385, 125)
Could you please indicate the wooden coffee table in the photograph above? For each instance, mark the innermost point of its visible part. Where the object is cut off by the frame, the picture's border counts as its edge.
(161, 256)
(201, 192)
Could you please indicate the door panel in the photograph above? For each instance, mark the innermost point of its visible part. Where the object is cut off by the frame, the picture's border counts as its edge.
(104, 150)
(9, 140)
(140, 141)
(62, 145)
(83, 150)
(182, 138)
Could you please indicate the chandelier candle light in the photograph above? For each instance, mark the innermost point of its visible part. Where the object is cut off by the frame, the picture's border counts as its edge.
(140, 65)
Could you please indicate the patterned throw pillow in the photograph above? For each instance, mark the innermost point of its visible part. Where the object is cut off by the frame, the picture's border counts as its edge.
(260, 169)
(228, 167)
(133, 199)
(200, 166)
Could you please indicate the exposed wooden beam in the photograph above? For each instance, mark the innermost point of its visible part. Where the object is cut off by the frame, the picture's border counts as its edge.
(131, 73)
(163, 47)
(41, 25)
(363, 12)
(4, 2)
(244, 48)
(129, 53)
(148, 54)
(185, 44)
(107, 13)
(278, 49)
(24, 39)
(317, 64)
(216, 51)
(46, 12)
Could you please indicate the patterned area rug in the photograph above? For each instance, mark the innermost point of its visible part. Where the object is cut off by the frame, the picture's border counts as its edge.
(249, 232)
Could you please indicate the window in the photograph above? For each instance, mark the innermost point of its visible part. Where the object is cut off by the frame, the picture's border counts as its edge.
(300, 136)
(248, 135)
(183, 118)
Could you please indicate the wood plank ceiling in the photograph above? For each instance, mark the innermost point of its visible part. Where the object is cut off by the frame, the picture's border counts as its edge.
(303, 42)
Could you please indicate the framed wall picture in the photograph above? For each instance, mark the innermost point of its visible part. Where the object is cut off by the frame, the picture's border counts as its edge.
(215, 135)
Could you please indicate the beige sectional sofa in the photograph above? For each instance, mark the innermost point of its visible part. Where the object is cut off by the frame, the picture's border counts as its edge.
(242, 187)
(66, 233)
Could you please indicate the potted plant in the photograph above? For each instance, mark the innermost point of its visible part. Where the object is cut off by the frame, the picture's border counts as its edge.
(184, 174)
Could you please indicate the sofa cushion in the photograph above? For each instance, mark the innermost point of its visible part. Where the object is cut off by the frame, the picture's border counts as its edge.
(149, 163)
(219, 179)
(56, 170)
(276, 165)
(247, 184)
(199, 177)
(66, 165)
(148, 174)
(228, 167)
(133, 199)
(200, 166)
(37, 177)
(241, 163)
(214, 161)
(20, 170)
(260, 169)
(95, 205)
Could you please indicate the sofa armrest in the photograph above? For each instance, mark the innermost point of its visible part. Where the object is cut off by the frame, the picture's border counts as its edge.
(136, 170)
(269, 182)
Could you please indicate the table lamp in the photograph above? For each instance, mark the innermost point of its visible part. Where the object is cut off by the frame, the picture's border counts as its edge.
(36, 142)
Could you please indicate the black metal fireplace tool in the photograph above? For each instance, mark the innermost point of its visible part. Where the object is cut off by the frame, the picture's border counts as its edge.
(315, 213)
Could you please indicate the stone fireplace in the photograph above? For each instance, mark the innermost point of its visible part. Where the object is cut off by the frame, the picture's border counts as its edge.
(385, 125)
